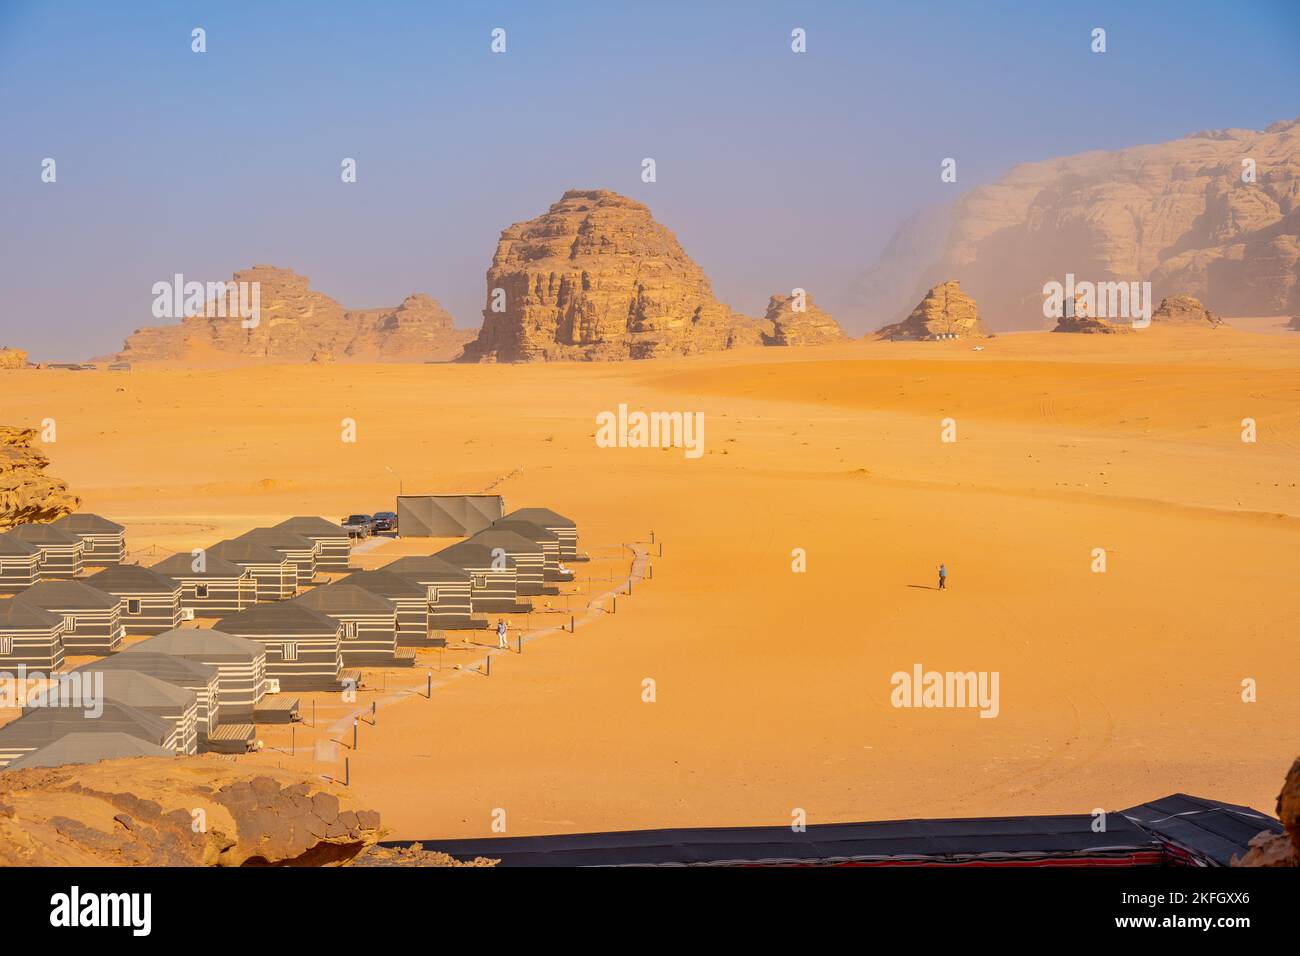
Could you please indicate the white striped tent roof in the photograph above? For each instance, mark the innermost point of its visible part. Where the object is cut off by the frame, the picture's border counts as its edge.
(280, 539)
(82, 748)
(200, 641)
(13, 546)
(19, 616)
(246, 551)
(44, 534)
(287, 618)
(40, 726)
(541, 516)
(511, 542)
(345, 599)
(151, 695)
(472, 556)
(83, 522)
(67, 596)
(426, 568)
(132, 579)
(166, 667)
(181, 567)
(386, 584)
(310, 526)
(528, 529)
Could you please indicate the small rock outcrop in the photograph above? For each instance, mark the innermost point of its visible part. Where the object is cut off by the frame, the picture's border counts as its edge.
(295, 323)
(12, 358)
(797, 320)
(945, 313)
(1082, 323)
(143, 811)
(597, 278)
(1184, 310)
(1279, 849)
(27, 494)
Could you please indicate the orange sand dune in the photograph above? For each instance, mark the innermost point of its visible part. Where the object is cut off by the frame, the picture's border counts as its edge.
(773, 688)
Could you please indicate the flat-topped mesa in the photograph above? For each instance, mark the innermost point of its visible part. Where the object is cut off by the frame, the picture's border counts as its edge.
(597, 278)
(1186, 311)
(797, 320)
(294, 323)
(27, 494)
(945, 313)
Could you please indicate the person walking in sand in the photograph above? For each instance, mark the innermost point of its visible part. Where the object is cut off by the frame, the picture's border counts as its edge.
(943, 578)
(501, 634)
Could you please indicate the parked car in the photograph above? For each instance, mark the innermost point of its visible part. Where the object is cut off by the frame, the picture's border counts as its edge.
(359, 526)
(385, 521)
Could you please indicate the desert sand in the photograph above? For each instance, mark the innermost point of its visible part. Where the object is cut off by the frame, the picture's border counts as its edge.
(773, 687)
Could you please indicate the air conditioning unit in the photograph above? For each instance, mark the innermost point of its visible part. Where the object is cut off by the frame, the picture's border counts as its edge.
(187, 614)
(273, 685)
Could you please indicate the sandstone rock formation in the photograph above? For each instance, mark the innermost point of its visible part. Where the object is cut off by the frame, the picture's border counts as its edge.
(27, 494)
(596, 277)
(1184, 310)
(1083, 323)
(811, 326)
(1280, 849)
(945, 312)
(12, 358)
(141, 812)
(295, 323)
(1177, 214)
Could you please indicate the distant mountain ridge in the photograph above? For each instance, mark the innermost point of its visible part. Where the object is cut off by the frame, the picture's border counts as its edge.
(299, 324)
(1177, 214)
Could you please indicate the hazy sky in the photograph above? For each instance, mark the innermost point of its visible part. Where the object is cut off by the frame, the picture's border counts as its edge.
(774, 169)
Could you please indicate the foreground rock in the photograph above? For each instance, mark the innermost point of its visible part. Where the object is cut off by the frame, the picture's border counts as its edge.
(415, 855)
(945, 312)
(1186, 311)
(297, 323)
(27, 494)
(1280, 849)
(143, 812)
(1177, 214)
(810, 326)
(597, 278)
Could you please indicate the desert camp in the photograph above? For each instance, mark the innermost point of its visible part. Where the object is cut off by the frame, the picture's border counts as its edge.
(93, 620)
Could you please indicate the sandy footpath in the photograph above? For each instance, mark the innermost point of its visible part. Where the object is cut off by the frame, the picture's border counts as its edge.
(773, 687)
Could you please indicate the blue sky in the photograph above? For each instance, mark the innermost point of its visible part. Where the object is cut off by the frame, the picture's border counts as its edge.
(774, 169)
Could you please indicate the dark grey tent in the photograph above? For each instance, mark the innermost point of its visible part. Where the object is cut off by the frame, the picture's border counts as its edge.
(240, 664)
(29, 637)
(449, 591)
(369, 622)
(151, 602)
(84, 748)
(20, 564)
(274, 576)
(528, 556)
(566, 529)
(1201, 832)
(169, 702)
(493, 577)
(410, 598)
(201, 679)
(301, 551)
(92, 619)
(221, 587)
(38, 727)
(549, 541)
(335, 543)
(302, 645)
(103, 542)
(446, 516)
(61, 551)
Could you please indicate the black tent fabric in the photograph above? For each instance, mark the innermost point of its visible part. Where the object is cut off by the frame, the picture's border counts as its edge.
(1209, 832)
(1024, 841)
(447, 516)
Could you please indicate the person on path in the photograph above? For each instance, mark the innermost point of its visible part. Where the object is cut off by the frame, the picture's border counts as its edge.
(501, 634)
(943, 578)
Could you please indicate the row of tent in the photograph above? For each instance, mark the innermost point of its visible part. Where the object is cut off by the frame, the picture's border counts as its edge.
(274, 633)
